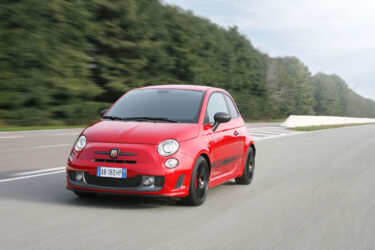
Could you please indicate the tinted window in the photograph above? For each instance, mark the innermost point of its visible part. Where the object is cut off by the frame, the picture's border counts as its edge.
(216, 104)
(174, 104)
(232, 107)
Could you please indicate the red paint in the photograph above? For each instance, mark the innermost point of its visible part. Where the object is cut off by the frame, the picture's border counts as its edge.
(229, 141)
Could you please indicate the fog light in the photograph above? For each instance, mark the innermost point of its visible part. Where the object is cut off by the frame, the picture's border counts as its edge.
(79, 176)
(148, 180)
(171, 163)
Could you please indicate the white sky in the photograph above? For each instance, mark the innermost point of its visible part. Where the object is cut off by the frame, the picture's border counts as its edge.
(331, 36)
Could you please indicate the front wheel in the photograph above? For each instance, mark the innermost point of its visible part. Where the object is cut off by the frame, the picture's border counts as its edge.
(248, 169)
(198, 184)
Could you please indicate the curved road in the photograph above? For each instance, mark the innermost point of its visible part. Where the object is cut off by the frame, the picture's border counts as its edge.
(311, 191)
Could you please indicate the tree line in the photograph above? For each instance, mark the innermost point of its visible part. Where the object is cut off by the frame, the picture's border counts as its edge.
(63, 60)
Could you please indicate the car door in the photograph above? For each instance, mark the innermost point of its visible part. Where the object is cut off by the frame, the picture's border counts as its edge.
(238, 128)
(224, 148)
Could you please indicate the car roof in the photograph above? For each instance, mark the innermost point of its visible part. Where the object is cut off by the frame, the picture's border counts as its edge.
(187, 87)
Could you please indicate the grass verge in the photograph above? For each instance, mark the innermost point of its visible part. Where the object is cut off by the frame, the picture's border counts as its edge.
(20, 128)
(314, 128)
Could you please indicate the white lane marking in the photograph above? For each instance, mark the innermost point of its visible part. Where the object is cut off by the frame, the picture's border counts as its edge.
(273, 130)
(66, 134)
(52, 146)
(41, 130)
(266, 133)
(30, 176)
(266, 128)
(260, 136)
(40, 171)
(274, 137)
(11, 137)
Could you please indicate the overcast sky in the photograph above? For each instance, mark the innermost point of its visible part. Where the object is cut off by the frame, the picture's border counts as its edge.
(331, 36)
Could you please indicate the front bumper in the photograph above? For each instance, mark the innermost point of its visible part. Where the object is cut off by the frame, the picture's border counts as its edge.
(173, 187)
(168, 182)
(128, 184)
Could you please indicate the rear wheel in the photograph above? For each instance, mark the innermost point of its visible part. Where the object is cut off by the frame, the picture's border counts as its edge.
(198, 184)
(248, 169)
(85, 194)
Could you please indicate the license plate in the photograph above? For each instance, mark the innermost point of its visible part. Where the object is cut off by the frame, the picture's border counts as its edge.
(111, 172)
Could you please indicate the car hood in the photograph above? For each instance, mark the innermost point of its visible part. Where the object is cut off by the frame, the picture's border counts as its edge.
(139, 132)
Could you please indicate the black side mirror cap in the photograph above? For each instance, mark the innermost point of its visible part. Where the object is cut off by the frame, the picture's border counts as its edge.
(220, 117)
(102, 112)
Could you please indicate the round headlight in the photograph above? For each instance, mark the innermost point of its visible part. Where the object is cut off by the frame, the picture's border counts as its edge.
(168, 147)
(171, 163)
(80, 143)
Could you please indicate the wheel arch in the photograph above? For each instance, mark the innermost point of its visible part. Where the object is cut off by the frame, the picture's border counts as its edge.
(253, 147)
(204, 155)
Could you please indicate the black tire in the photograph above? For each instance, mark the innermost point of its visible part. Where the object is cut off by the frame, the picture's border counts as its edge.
(248, 169)
(198, 184)
(85, 194)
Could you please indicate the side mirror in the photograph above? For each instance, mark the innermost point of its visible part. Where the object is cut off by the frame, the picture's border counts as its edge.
(220, 117)
(102, 112)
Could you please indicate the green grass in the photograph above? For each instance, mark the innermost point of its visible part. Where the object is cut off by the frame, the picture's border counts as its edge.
(26, 128)
(314, 128)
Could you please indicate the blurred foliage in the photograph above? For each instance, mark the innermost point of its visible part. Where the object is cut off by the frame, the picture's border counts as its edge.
(62, 61)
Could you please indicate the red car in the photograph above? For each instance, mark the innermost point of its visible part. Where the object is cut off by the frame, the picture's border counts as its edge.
(169, 140)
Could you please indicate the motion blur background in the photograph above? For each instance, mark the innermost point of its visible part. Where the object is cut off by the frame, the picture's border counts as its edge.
(63, 61)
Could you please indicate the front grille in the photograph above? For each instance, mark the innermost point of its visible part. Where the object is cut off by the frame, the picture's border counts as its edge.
(113, 182)
(115, 161)
(129, 182)
(159, 181)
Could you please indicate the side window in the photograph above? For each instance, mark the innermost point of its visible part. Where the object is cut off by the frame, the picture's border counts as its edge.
(232, 107)
(216, 104)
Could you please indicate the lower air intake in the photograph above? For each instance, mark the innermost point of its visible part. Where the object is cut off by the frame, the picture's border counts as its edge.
(113, 182)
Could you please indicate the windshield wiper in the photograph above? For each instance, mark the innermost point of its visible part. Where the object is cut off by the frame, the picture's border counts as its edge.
(113, 117)
(149, 118)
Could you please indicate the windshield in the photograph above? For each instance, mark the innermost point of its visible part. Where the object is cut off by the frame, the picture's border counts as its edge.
(159, 105)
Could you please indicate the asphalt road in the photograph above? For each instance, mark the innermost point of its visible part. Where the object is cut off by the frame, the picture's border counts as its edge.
(311, 191)
(30, 150)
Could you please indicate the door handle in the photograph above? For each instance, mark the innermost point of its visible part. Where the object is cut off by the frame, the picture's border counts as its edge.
(236, 133)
